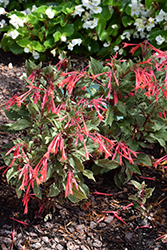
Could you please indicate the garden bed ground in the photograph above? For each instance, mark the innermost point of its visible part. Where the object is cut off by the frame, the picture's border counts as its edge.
(76, 226)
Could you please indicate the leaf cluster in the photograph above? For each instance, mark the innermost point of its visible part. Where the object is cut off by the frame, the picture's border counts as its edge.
(81, 123)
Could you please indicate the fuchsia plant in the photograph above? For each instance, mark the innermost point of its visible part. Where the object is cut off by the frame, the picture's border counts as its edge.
(81, 123)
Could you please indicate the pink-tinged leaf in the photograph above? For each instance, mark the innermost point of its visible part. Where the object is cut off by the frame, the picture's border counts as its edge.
(116, 80)
(145, 226)
(21, 222)
(61, 118)
(129, 205)
(115, 214)
(99, 193)
(13, 234)
(103, 218)
(148, 178)
(165, 235)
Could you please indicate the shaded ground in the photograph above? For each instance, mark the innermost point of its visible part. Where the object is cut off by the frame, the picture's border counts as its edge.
(78, 227)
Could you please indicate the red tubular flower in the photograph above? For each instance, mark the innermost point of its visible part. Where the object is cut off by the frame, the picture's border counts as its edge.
(69, 184)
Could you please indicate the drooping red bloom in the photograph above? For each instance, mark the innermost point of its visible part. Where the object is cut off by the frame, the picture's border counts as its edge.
(69, 184)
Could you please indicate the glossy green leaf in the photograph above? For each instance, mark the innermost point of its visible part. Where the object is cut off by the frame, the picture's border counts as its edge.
(106, 163)
(57, 36)
(88, 173)
(148, 3)
(37, 46)
(54, 190)
(143, 159)
(95, 66)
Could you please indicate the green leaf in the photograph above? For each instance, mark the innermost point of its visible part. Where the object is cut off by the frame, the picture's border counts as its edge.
(88, 173)
(101, 25)
(143, 159)
(78, 195)
(42, 9)
(133, 167)
(23, 42)
(68, 30)
(106, 163)
(54, 190)
(77, 163)
(12, 115)
(37, 46)
(126, 20)
(121, 107)
(148, 3)
(108, 2)
(156, 32)
(15, 48)
(106, 13)
(37, 191)
(103, 35)
(95, 66)
(21, 124)
(18, 192)
(136, 184)
(57, 36)
(12, 172)
(109, 116)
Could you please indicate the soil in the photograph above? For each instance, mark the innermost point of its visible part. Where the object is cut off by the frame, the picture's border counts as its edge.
(79, 226)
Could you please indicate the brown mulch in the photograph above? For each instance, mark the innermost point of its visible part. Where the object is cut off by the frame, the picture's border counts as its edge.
(72, 226)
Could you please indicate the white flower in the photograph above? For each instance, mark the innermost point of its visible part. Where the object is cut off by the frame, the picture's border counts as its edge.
(93, 23)
(160, 39)
(86, 25)
(78, 10)
(116, 48)
(70, 46)
(63, 38)
(90, 24)
(150, 24)
(165, 26)
(96, 2)
(140, 24)
(13, 34)
(135, 8)
(50, 13)
(34, 7)
(126, 34)
(120, 51)
(76, 41)
(86, 16)
(86, 3)
(16, 21)
(26, 50)
(142, 34)
(2, 23)
(111, 9)
(135, 35)
(161, 16)
(2, 11)
(114, 26)
(95, 9)
(106, 44)
(26, 12)
(35, 54)
(4, 2)
(53, 52)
